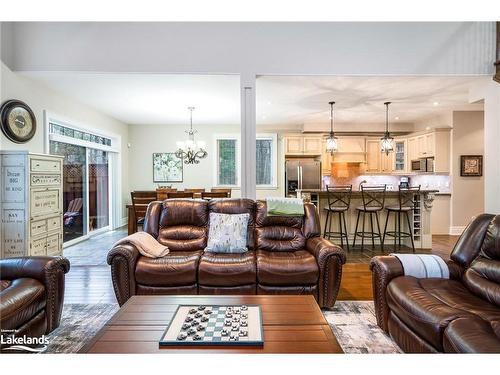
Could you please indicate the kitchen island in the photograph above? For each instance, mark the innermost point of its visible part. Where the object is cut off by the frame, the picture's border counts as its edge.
(420, 218)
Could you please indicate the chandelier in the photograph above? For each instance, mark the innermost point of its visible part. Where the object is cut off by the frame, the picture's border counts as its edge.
(387, 142)
(331, 141)
(190, 150)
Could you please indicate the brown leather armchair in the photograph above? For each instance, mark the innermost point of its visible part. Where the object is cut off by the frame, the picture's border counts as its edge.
(460, 314)
(286, 255)
(32, 294)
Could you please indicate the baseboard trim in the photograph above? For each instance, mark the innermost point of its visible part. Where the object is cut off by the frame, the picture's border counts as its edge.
(457, 231)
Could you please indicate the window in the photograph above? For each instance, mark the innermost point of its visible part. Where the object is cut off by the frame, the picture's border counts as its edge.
(264, 161)
(227, 160)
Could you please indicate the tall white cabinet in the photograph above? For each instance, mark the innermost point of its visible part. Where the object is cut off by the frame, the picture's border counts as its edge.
(31, 204)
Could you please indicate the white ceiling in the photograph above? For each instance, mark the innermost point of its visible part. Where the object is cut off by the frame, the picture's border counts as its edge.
(298, 100)
(147, 99)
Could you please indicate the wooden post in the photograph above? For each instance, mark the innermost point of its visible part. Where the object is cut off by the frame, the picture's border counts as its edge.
(496, 77)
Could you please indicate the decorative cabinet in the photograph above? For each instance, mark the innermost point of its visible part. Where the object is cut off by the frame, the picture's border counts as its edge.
(32, 204)
(299, 145)
(400, 153)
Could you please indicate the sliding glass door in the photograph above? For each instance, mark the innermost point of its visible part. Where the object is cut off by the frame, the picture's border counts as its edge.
(98, 188)
(86, 189)
(74, 188)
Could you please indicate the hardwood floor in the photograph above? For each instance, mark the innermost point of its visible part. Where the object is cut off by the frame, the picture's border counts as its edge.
(89, 279)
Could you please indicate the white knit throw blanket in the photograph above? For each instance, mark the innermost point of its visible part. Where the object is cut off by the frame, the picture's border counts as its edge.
(423, 266)
(146, 244)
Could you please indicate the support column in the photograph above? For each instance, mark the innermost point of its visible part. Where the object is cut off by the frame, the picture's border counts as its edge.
(491, 167)
(248, 136)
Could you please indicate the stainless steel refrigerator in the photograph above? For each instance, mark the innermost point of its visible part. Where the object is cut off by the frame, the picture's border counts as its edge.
(302, 173)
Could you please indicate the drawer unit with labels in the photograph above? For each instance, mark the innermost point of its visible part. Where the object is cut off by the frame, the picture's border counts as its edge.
(32, 204)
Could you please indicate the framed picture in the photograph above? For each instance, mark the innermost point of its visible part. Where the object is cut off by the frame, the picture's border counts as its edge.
(167, 167)
(471, 165)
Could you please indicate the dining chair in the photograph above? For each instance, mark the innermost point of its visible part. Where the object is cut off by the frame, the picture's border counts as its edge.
(180, 194)
(140, 202)
(221, 190)
(213, 194)
(161, 193)
(196, 192)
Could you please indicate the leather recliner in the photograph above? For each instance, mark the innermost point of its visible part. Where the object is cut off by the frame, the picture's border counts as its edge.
(456, 315)
(31, 294)
(286, 255)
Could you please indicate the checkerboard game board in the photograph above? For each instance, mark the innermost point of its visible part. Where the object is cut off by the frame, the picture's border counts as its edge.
(215, 325)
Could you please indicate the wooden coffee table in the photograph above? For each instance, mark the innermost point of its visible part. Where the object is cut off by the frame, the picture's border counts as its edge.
(292, 324)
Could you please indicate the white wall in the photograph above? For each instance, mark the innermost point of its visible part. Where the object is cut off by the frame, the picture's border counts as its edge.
(148, 139)
(40, 98)
(467, 199)
(259, 47)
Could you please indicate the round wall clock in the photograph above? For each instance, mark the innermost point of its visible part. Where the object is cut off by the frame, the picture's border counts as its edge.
(17, 121)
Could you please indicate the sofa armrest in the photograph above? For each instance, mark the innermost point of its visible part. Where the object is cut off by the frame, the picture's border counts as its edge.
(330, 259)
(384, 269)
(50, 272)
(122, 259)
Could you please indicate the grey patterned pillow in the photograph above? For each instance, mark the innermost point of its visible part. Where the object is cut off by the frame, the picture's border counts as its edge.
(227, 233)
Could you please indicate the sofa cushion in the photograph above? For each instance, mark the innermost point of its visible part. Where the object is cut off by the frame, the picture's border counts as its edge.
(286, 268)
(177, 268)
(472, 335)
(20, 301)
(428, 306)
(227, 269)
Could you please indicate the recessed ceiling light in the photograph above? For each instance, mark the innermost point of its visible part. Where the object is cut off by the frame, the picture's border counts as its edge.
(396, 118)
(435, 104)
(269, 102)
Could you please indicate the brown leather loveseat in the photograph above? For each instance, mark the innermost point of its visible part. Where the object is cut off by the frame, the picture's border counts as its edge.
(286, 254)
(460, 314)
(31, 294)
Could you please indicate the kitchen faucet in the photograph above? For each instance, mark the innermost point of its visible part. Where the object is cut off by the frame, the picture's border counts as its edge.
(361, 183)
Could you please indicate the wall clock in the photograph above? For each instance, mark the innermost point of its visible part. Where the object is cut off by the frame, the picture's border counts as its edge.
(17, 121)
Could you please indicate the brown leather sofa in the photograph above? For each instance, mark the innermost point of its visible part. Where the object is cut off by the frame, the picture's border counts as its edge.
(456, 315)
(286, 254)
(32, 294)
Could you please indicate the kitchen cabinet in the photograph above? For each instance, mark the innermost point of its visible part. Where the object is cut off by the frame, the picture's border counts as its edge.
(299, 145)
(373, 155)
(31, 204)
(386, 162)
(326, 161)
(377, 161)
(412, 148)
(400, 156)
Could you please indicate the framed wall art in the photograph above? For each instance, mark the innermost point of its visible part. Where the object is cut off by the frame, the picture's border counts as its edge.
(471, 165)
(167, 167)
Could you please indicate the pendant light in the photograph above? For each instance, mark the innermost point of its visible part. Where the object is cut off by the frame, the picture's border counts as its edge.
(331, 142)
(387, 142)
(190, 150)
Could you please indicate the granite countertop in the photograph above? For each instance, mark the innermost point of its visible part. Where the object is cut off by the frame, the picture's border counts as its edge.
(355, 191)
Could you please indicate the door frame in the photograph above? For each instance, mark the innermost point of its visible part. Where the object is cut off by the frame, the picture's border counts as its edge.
(114, 161)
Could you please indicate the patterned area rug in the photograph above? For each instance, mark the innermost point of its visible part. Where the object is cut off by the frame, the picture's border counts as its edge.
(353, 323)
(355, 326)
(79, 324)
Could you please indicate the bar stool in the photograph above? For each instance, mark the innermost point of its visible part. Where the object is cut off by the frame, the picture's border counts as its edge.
(339, 200)
(406, 205)
(373, 202)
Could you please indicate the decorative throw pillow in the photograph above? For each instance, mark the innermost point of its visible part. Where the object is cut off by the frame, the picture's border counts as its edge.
(227, 233)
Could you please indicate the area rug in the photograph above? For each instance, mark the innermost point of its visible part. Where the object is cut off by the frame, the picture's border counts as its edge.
(355, 326)
(79, 324)
(353, 323)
